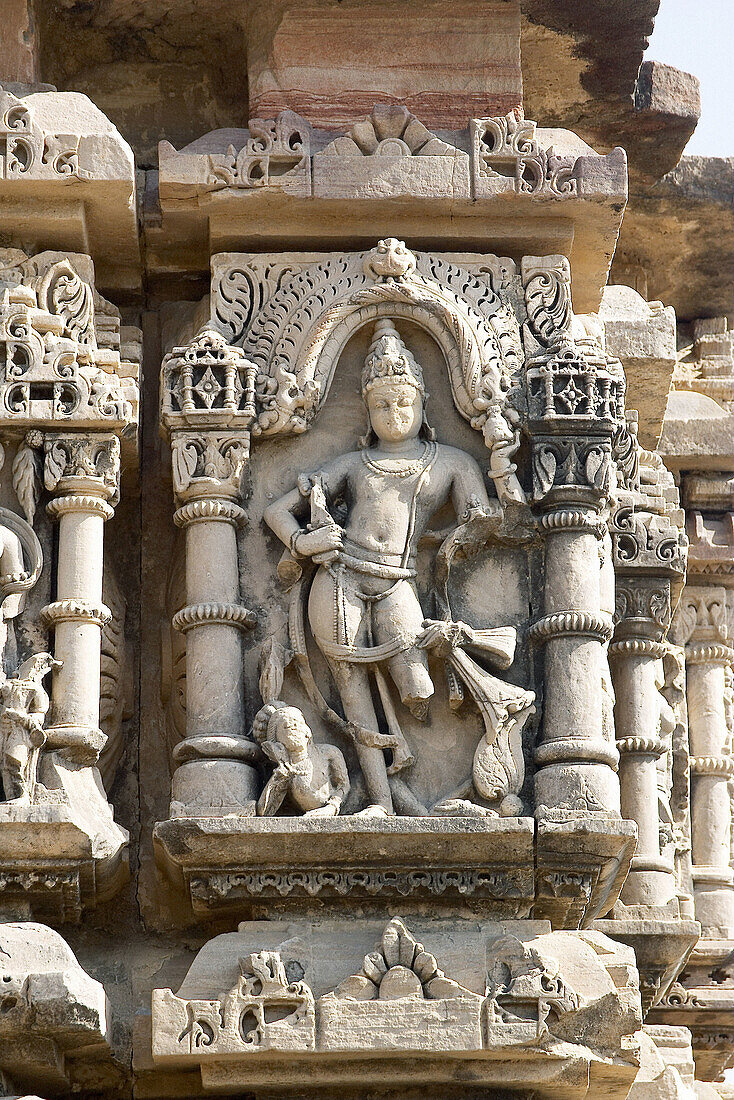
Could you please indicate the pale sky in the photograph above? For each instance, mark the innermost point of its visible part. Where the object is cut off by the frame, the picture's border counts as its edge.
(698, 37)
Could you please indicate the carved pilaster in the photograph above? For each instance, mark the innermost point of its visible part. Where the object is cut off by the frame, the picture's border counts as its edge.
(207, 408)
(649, 556)
(67, 399)
(701, 625)
(82, 472)
(575, 398)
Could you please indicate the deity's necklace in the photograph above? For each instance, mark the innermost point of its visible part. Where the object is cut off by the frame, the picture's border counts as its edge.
(405, 471)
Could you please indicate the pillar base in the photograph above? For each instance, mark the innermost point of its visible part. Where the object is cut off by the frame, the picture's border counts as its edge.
(576, 785)
(650, 882)
(214, 788)
(713, 891)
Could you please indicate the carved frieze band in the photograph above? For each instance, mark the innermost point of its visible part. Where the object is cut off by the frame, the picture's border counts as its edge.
(77, 502)
(641, 746)
(365, 882)
(567, 519)
(75, 610)
(709, 654)
(712, 765)
(638, 647)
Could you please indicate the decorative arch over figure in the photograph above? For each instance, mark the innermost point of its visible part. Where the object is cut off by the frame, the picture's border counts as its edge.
(297, 336)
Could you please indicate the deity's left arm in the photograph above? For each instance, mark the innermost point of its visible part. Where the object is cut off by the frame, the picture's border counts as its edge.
(468, 493)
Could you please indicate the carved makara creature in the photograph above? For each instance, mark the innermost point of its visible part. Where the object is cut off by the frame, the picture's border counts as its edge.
(24, 704)
(363, 605)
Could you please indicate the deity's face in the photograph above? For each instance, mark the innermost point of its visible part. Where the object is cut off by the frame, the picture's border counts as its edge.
(292, 731)
(395, 410)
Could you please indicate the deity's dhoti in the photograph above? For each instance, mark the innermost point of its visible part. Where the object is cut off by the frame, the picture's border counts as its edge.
(362, 613)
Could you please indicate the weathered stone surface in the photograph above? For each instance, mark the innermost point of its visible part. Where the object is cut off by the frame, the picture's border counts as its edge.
(68, 181)
(53, 1016)
(343, 675)
(473, 987)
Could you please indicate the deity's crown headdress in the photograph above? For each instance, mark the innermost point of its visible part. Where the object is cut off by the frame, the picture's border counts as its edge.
(388, 360)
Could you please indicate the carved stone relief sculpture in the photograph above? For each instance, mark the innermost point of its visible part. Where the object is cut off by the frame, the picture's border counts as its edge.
(66, 399)
(374, 654)
(363, 607)
(531, 998)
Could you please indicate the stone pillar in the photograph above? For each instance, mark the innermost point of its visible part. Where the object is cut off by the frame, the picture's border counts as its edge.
(575, 760)
(207, 408)
(702, 622)
(651, 880)
(82, 472)
(649, 554)
(712, 768)
(575, 397)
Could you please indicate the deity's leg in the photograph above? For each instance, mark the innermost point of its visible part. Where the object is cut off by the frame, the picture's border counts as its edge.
(354, 689)
(15, 770)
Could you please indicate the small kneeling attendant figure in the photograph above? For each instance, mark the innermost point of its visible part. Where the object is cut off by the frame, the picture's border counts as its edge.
(315, 776)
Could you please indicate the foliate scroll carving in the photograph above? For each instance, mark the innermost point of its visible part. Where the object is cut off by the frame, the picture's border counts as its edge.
(507, 154)
(264, 1011)
(116, 681)
(60, 348)
(277, 154)
(547, 282)
(701, 617)
(208, 462)
(389, 131)
(525, 987)
(571, 463)
(82, 462)
(27, 151)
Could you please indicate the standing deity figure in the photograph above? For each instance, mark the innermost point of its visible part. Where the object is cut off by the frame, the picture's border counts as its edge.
(363, 607)
(315, 776)
(23, 707)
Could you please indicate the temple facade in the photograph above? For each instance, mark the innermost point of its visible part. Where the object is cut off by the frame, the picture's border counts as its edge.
(366, 555)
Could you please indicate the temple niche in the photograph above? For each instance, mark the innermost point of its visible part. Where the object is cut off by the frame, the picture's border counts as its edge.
(366, 691)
